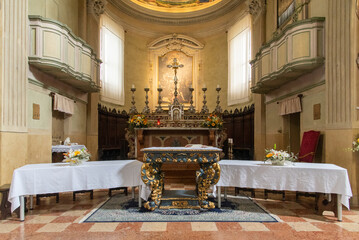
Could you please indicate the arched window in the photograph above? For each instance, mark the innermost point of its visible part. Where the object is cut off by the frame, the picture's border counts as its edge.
(239, 54)
(112, 56)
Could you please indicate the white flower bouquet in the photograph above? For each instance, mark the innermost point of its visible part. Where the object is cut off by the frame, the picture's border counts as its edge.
(77, 157)
(279, 157)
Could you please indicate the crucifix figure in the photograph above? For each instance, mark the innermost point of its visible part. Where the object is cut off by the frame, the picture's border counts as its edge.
(175, 66)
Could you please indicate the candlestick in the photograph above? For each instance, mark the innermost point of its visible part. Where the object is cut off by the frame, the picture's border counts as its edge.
(218, 108)
(230, 148)
(146, 109)
(133, 109)
(204, 107)
(159, 108)
(191, 107)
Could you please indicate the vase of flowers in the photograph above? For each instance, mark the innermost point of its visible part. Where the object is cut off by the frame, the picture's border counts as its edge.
(355, 145)
(213, 121)
(279, 157)
(138, 121)
(76, 157)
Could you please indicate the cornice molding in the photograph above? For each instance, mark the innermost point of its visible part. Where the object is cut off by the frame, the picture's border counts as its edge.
(208, 14)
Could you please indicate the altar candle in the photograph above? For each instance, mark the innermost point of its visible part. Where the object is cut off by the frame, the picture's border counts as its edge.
(190, 86)
(204, 86)
(133, 85)
(217, 85)
(159, 85)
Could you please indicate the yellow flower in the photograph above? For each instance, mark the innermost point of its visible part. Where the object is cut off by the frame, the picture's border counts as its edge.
(77, 153)
(269, 155)
(213, 124)
(358, 140)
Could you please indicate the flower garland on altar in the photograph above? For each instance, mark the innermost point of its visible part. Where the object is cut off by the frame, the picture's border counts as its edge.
(138, 121)
(213, 121)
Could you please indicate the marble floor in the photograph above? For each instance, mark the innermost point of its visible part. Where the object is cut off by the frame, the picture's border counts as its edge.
(51, 220)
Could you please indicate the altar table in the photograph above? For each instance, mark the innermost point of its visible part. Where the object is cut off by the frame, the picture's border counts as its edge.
(300, 176)
(209, 173)
(44, 178)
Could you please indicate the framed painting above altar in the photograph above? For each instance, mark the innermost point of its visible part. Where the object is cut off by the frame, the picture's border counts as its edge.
(184, 76)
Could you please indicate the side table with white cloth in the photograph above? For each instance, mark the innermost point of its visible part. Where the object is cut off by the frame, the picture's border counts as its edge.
(35, 179)
(299, 176)
(64, 148)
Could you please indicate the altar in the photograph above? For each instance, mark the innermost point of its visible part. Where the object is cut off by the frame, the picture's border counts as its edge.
(209, 173)
(175, 125)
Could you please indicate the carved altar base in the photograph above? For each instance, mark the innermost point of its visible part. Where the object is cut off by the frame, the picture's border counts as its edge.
(152, 174)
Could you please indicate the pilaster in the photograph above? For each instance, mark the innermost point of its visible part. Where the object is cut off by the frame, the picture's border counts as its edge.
(13, 86)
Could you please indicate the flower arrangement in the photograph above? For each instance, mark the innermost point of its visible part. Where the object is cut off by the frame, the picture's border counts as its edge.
(355, 146)
(213, 121)
(279, 157)
(77, 157)
(138, 121)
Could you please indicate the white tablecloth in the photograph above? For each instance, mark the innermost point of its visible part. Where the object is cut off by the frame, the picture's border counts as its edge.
(60, 177)
(304, 177)
(64, 148)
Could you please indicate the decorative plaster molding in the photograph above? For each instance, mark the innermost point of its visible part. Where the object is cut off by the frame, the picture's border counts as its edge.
(208, 14)
(256, 8)
(96, 7)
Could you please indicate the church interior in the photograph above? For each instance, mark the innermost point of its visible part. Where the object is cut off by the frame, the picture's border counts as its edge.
(231, 80)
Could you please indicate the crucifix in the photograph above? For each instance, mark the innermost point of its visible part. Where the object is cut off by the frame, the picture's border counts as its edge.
(175, 66)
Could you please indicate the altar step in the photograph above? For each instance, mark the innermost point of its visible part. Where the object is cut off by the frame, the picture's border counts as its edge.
(179, 199)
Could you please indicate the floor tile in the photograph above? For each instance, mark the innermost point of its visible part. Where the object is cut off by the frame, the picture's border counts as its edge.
(103, 227)
(253, 226)
(204, 226)
(154, 227)
(53, 227)
(351, 227)
(41, 219)
(8, 227)
(74, 213)
(303, 226)
(353, 218)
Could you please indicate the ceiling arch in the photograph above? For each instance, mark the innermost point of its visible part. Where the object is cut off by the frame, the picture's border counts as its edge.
(176, 6)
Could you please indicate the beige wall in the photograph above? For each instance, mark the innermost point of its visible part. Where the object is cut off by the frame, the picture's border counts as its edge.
(215, 70)
(40, 131)
(64, 11)
(136, 69)
(75, 125)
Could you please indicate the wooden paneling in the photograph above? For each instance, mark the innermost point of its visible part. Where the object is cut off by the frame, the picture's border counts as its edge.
(240, 126)
(111, 134)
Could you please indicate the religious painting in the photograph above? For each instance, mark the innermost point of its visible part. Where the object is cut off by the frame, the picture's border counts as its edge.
(184, 77)
(285, 9)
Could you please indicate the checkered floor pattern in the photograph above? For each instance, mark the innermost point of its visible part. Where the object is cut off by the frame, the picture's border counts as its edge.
(297, 220)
